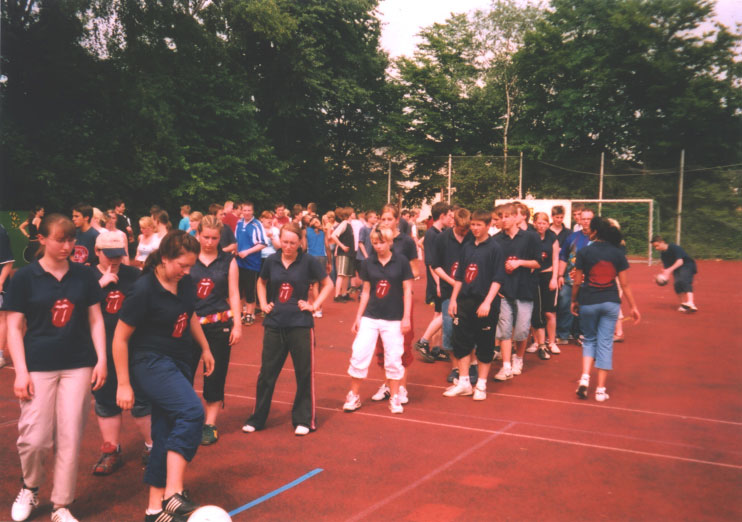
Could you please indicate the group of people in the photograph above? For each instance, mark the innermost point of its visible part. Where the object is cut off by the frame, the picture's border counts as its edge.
(133, 325)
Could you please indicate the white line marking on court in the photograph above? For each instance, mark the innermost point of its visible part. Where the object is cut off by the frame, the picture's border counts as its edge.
(579, 404)
(430, 475)
(509, 434)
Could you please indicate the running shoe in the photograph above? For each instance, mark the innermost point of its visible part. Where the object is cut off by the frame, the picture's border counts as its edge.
(423, 348)
(318, 314)
(554, 348)
(26, 501)
(543, 353)
(179, 504)
(440, 354)
(162, 516)
(248, 428)
(382, 393)
(479, 393)
(250, 320)
(503, 375)
(301, 430)
(109, 461)
(601, 395)
(460, 388)
(582, 387)
(209, 435)
(532, 348)
(403, 398)
(395, 404)
(517, 365)
(352, 402)
(562, 341)
(63, 515)
(689, 307)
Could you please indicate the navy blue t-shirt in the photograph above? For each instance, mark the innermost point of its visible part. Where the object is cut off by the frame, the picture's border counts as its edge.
(58, 335)
(562, 235)
(429, 247)
(480, 266)
(287, 286)
(386, 299)
(447, 255)
(84, 251)
(675, 252)
(226, 237)
(114, 295)
(212, 284)
(600, 263)
(6, 254)
(162, 319)
(524, 245)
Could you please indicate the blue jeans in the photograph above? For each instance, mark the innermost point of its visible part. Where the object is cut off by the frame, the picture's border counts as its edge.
(447, 328)
(598, 322)
(564, 315)
(177, 413)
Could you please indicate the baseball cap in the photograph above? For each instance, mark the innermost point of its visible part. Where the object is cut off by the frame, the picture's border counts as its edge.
(111, 243)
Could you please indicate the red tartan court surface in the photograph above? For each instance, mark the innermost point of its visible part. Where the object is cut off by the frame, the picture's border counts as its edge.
(666, 446)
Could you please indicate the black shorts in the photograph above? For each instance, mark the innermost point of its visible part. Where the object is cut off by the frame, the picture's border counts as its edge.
(217, 335)
(543, 302)
(684, 279)
(471, 332)
(247, 283)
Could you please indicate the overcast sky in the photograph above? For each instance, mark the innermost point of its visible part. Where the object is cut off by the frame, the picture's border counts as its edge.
(402, 19)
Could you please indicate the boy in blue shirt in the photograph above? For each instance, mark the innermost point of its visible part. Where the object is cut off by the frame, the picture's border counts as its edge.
(250, 241)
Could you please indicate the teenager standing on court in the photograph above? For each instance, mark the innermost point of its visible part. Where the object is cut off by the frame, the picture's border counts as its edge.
(250, 241)
(682, 267)
(117, 282)
(543, 320)
(84, 251)
(383, 313)
(595, 296)
(149, 241)
(344, 260)
(216, 277)
(283, 291)
(56, 359)
(157, 326)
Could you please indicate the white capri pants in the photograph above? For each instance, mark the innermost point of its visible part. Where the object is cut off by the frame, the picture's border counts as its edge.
(364, 346)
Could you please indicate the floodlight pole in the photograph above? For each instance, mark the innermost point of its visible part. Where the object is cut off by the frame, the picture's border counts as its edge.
(600, 189)
(450, 164)
(520, 177)
(680, 197)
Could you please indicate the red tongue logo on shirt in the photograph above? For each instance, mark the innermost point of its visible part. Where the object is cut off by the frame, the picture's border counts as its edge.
(285, 292)
(62, 312)
(204, 288)
(511, 270)
(471, 273)
(454, 268)
(382, 289)
(79, 254)
(114, 299)
(180, 325)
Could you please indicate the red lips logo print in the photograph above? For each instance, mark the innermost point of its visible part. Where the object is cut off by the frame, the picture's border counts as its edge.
(114, 299)
(204, 288)
(62, 312)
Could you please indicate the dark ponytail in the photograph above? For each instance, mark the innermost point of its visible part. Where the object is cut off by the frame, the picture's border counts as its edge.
(173, 245)
(606, 231)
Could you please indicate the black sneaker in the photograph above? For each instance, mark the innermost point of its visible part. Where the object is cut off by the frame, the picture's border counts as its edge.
(179, 505)
(162, 516)
(209, 435)
(249, 320)
(423, 348)
(543, 353)
(439, 354)
(453, 376)
(473, 374)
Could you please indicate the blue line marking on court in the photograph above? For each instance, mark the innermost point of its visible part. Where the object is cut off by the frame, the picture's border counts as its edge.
(275, 492)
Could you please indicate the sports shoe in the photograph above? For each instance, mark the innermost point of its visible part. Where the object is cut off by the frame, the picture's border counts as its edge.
(163, 517)
(26, 501)
(403, 398)
(352, 402)
(248, 428)
(250, 320)
(453, 376)
(553, 348)
(517, 365)
(440, 354)
(543, 353)
(681, 309)
(562, 341)
(582, 387)
(479, 394)
(382, 393)
(179, 504)
(503, 375)
(689, 307)
(63, 515)
(395, 404)
(601, 395)
(244, 319)
(533, 348)
(460, 388)
(209, 435)
(423, 348)
(318, 314)
(109, 461)
(301, 430)
(473, 374)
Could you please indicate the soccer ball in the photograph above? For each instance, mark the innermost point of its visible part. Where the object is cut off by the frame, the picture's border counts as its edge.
(209, 514)
(661, 280)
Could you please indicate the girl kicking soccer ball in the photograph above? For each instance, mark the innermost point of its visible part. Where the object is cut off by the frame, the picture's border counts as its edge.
(384, 310)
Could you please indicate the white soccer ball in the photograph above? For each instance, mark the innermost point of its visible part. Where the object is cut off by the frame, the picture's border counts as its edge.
(661, 280)
(209, 514)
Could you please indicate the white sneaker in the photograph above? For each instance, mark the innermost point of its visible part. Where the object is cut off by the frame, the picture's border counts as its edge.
(533, 348)
(554, 348)
(26, 501)
(601, 395)
(403, 395)
(382, 393)
(458, 389)
(479, 394)
(395, 404)
(688, 307)
(300, 431)
(503, 375)
(517, 365)
(318, 314)
(352, 402)
(248, 428)
(63, 515)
